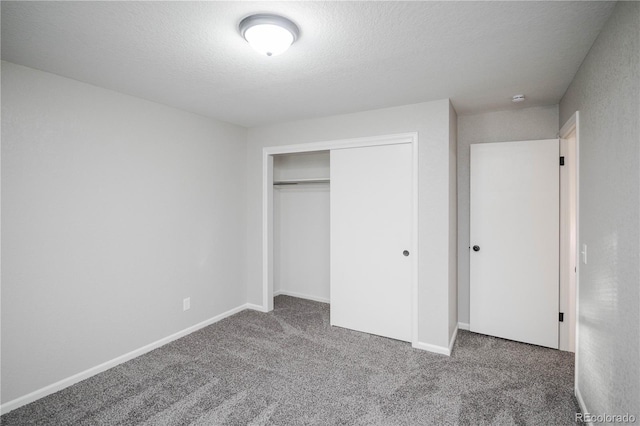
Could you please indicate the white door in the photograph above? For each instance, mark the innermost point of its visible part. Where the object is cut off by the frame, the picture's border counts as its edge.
(514, 270)
(371, 191)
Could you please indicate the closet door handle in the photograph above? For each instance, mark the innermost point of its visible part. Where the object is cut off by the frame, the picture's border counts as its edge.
(406, 252)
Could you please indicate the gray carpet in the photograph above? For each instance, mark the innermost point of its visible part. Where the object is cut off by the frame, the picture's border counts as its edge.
(290, 367)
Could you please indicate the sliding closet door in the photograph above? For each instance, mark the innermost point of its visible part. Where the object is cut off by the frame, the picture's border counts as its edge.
(370, 239)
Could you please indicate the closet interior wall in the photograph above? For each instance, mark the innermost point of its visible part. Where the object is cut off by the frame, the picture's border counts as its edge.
(301, 225)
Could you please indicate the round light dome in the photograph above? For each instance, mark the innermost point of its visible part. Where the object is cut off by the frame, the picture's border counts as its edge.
(268, 34)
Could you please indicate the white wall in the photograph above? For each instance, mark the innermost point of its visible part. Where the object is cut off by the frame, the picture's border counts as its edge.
(500, 126)
(304, 165)
(606, 91)
(431, 121)
(113, 210)
(301, 227)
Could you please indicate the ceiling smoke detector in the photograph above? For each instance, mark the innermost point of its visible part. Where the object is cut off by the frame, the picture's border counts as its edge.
(517, 98)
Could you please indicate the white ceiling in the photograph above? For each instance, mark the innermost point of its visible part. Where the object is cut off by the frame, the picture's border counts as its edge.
(351, 56)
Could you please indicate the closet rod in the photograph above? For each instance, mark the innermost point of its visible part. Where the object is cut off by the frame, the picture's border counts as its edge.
(300, 181)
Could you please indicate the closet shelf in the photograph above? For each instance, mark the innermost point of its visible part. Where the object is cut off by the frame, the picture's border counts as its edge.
(300, 181)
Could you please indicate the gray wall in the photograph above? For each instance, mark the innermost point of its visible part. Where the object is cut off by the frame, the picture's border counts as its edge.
(114, 209)
(431, 121)
(606, 91)
(501, 126)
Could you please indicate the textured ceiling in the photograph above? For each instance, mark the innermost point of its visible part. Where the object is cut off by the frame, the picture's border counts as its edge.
(351, 56)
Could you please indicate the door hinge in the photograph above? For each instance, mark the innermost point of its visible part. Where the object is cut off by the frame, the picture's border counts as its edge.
(562, 161)
(561, 317)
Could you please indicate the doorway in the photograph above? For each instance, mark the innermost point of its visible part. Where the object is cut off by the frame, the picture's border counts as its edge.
(514, 237)
(567, 251)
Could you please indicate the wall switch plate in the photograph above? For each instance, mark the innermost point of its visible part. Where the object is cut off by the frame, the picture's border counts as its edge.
(584, 254)
(186, 304)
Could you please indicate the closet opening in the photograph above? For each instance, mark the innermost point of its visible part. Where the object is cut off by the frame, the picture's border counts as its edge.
(301, 253)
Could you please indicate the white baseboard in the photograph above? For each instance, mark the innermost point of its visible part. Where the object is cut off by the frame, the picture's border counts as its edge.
(463, 326)
(438, 349)
(432, 348)
(64, 383)
(255, 307)
(301, 296)
(583, 407)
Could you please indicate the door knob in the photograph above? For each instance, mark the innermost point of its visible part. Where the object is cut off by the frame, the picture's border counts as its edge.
(406, 252)
(476, 248)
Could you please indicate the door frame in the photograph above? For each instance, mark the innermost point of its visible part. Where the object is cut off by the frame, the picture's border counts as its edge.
(573, 124)
(267, 207)
(568, 241)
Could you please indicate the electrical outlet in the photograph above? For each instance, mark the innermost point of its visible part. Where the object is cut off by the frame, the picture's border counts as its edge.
(186, 304)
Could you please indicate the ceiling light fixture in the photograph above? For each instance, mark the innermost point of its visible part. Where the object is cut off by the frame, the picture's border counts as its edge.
(517, 98)
(269, 34)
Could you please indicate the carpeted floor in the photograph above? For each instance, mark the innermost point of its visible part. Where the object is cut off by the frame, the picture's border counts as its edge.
(290, 367)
